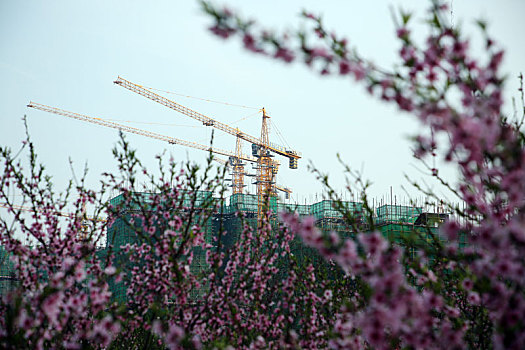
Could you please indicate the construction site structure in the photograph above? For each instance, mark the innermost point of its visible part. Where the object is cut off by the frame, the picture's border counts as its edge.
(236, 160)
(392, 220)
(261, 147)
(121, 232)
(239, 210)
(8, 276)
(266, 169)
(125, 128)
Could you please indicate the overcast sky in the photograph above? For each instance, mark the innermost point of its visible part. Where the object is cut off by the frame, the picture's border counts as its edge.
(66, 54)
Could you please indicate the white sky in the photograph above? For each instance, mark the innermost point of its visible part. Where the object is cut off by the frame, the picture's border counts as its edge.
(66, 54)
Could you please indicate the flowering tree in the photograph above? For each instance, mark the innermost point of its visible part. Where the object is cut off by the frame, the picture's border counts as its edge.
(468, 297)
(235, 295)
(186, 289)
(63, 295)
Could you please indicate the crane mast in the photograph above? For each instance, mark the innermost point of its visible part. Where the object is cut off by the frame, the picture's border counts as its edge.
(265, 171)
(238, 168)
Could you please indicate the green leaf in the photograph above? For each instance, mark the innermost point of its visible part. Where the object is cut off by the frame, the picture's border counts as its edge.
(405, 17)
(482, 24)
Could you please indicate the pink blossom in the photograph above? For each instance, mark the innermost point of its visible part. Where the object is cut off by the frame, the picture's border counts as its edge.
(104, 331)
(320, 52)
(110, 270)
(344, 67)
(250, 43)
(52, 307)
(284, 54)
(473, 298)
(221, 31)
(309, 15)
(402, 32)
(24, 321)
(374, 242)
(176, 223)
(328, 294)
(174, 336)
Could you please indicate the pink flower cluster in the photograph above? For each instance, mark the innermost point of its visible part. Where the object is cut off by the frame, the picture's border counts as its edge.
(63, 289)
(252, 297)
(396, 310)
(458, 94)
(254, 292)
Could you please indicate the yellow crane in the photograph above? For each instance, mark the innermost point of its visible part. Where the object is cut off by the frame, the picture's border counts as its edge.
(278, 187)
(109, 124)
(233, 158)
(261, 147)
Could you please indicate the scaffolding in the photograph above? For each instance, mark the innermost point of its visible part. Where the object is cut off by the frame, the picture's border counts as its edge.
(390, 214)
(239, 202)
(393, 221)
(329, 215)
(301, 209)
(8, 280)
(121, 233)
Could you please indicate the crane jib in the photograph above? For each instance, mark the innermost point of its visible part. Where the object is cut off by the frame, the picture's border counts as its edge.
(291, 154)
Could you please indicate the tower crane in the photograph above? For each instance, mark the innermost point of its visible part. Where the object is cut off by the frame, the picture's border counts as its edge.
(278, 187)
(109, 124)
(261, 147)
(233, 158)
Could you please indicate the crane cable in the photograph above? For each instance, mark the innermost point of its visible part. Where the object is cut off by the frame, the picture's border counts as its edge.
(172, 124)
(244, 118)
(280, 135)
(151, 123)
(198, 98)
(233, 123)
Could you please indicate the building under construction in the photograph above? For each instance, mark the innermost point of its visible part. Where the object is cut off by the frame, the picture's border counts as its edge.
(8, 280)
(393, 221)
